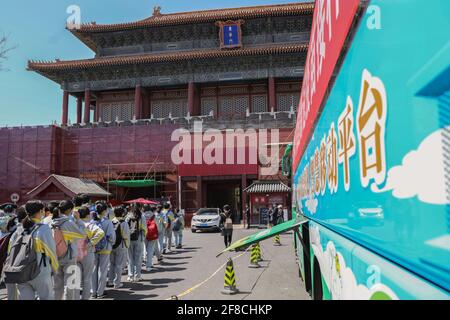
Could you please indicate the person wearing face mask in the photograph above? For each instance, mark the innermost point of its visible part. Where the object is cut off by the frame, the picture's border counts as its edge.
(151, 239)
(159, 220)
(66, 234)
(50, 208)
(138, 231)
(120, 248)
(13, 223)
(93, 235)
(36, 262)
(102, 250)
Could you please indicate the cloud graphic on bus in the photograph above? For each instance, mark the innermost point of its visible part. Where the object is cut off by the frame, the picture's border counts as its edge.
(421, 173)
(311, 204)
(340, 279)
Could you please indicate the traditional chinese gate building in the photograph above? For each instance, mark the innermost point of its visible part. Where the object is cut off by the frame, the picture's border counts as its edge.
(229, 68)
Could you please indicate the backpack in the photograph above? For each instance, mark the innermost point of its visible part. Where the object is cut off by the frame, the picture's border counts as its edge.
(177, 224)
(4, 243)
(134, 228)
(152, 230)
(61, 244)
(21, 264)
(169, 222)
(119, 238)
(228, 223)
(103, 243)
(82, 246)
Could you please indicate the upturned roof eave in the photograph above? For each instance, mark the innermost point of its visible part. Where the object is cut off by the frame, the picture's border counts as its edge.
(48, 68)
(82, 37)
(200, 16)
(84, 32)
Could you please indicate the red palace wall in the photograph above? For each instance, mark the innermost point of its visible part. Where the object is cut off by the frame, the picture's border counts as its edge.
(29, 155)
(87, 151)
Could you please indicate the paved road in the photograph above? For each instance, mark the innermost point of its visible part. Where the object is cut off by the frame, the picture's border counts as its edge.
(194, 272)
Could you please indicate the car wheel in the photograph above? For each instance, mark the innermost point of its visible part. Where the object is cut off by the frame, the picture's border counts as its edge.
(193, 231)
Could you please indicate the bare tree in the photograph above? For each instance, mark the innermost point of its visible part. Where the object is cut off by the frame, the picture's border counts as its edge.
(4, 50)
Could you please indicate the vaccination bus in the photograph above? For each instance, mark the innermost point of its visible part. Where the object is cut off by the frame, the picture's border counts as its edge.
(371, 153)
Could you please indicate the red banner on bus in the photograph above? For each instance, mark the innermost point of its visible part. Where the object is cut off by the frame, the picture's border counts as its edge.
(331, 24)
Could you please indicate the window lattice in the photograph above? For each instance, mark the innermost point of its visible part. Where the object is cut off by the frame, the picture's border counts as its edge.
(115, 114)
(105, 113)
(259, 103)
(176, 94)
(231, 106)
(226, 106)
(233, 90)
(117, 110)
(209, 91)
(162, 108)
(259, 89)
(283, 87)
(208, 105)
(158, 95)
(286, 100)
(169, 94)
(241, 105)
(293, 86)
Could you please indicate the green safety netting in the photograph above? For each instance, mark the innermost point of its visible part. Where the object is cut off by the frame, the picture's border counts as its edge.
(134, 183)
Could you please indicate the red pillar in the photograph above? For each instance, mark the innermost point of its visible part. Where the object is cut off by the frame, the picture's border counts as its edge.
(138, 102)
(191, 99)
(199, 194)
(65, 109)
(272, 95)
(79, 109)
(96, 112)
(87, 106)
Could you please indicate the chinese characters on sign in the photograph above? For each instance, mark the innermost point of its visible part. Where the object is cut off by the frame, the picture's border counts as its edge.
(332, 21)
(337, 147)
(346, 140)
(230, 34)
(371, 127)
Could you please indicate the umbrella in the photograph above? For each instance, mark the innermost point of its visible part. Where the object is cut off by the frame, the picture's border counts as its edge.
(3, 206)
(142, 201)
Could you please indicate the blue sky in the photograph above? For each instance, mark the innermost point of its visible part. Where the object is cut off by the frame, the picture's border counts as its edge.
(38, 30)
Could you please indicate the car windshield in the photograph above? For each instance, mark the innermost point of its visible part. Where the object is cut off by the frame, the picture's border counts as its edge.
(207, 212)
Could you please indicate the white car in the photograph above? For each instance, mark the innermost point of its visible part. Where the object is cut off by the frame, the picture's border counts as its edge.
(206, 219)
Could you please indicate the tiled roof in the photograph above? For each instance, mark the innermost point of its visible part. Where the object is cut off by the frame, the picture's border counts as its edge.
(71, 186)
(267, 187)
(47, 66)
(204, 16)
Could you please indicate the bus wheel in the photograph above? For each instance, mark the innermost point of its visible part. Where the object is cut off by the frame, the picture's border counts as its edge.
(317, 285)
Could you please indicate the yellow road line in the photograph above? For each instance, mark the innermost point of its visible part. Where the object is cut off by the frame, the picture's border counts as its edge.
(206, 280)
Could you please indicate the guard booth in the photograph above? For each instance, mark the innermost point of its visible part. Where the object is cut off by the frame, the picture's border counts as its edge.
(264, 195)
(57, 187)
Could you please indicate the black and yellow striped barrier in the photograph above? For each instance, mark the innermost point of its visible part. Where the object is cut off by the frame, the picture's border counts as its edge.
(230, 279)
(276, 240)
(254, 257)
(259, 252)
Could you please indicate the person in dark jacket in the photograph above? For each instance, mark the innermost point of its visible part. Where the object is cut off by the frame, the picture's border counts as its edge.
(275, 215)
(247, 215)
(227, 222)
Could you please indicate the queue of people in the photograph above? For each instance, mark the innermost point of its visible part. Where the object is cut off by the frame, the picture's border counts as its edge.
(90, 243)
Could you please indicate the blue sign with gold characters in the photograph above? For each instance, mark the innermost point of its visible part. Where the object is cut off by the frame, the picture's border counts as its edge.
(230, 34)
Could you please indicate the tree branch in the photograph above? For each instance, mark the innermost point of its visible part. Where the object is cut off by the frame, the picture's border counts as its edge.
(4, 50)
